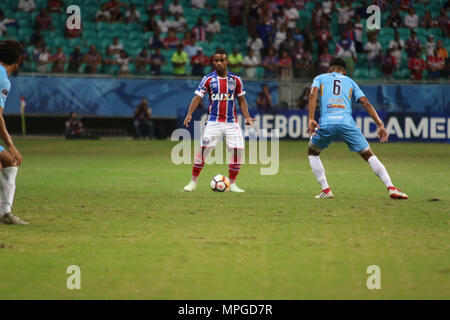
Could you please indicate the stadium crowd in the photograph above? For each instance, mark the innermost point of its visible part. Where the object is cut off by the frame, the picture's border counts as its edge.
(265, 39)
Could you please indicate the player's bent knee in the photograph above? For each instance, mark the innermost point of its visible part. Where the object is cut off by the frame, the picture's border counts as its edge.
(7, 160)
(312, 152)
(366, 153)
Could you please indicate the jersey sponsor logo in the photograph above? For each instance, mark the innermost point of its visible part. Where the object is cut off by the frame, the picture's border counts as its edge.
(222, 96)
(335, 106)
(335, 117)
(4, 93)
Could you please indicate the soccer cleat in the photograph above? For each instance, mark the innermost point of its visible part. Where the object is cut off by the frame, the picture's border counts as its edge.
(395, 193)
(9, 218)
(235, 188)
(326, 193)
(190, 186)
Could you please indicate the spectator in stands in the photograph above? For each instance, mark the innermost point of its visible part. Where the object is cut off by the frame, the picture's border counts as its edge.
(413, 45)
(308, 39)
(123, 61)
(54, 6)
(372, 48)
(43, 59)
(151, 24)
(397, 47)
(362, 10)
(59, 60)
(74, 127)
(164, 24)
(132, 15)
(269, 63)
(316, 15)
(179, 23)
(405, 5)
(212, 27)
(442, 52)
(199, 30)
(156, 8)
(297, 59)
(435, 65)
(411, 19)
(235, 62)
(430, 45)
(109, 61)
(280, 36)
(116, 14)
(298, 36)
(26, 5)
(345, 49)
(443, 22)
(256, 44)
(394, 19)
(302, 102)
(171, 41)
(250, 63)
(292, 15)
(235, 10)
(155, 42)
(324, 61)
(143, 125)
(179, 61)
(103, 14)
(305, 65)
(416, 65)
(72, 33)
(199, 4)
(116, 47)
(92, 59)
(189, 44)
(175, 8)
(388, 65)
(75, 60)
(266, 32)
(157, 61)
(285, 65)
(287, 45)
(264, 99)
(327, 8)
(343, 16)
(323, 36)
(36, 38)
(199, 62)
(44, 21)
(427, 21)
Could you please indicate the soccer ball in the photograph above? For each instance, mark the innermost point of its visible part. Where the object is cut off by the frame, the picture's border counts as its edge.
(220, 183)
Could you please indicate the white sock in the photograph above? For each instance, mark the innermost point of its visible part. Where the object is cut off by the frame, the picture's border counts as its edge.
(7, 189)
(380, 170)
(319, 171)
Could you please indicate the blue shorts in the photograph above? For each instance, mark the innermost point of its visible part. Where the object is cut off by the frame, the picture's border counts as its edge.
(1, 148)
(351, 134)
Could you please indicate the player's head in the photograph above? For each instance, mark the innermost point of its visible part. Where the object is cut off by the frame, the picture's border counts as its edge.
(338, 65)
(220, 60)
(10, 54)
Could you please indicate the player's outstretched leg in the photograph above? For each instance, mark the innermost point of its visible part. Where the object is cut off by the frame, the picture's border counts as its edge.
(319, 173)
(7, 189)
(233, 169)
(199, 163)
(380, 170)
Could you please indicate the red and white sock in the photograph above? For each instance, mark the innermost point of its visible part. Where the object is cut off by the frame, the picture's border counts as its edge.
(199, 163)
(235, 165)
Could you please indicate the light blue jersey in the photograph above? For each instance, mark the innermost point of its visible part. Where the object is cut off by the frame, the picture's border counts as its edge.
(5, 85)
(337, 92)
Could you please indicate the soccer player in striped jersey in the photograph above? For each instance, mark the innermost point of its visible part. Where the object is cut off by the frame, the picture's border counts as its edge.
(337, 92)
(223, 88)
(10, 160)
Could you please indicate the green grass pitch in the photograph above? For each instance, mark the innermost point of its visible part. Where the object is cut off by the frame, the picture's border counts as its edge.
(117, 210)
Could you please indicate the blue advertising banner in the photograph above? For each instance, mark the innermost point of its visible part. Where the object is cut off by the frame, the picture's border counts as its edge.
(292, 124)
(111, 97)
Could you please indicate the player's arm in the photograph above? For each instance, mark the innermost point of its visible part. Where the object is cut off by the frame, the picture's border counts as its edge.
(244, 108)
(382, 133)
(17, 157)
(192, 107)
(312, 104)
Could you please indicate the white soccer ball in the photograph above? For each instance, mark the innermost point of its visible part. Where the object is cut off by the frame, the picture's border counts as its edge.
(220, 183)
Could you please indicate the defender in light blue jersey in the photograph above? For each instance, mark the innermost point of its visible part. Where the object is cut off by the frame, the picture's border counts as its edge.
(11, 159)
(336, 93)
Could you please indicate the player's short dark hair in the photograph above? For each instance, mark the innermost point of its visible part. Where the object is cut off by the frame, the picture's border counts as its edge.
(221, 51)
(10, 51)
(338, 63)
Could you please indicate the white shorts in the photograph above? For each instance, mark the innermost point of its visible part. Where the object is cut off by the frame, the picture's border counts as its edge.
(213, 132)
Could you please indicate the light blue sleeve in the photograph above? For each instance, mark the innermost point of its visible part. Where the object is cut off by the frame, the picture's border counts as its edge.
(357, 92)
(4, 90)
(316, 82)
